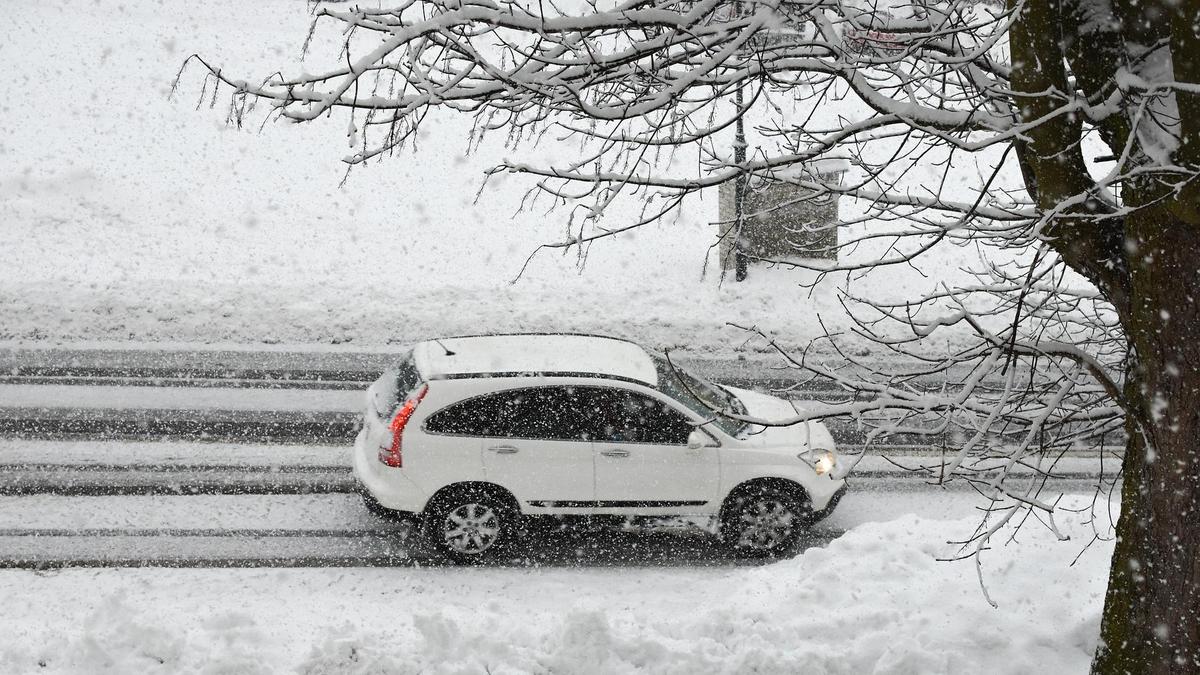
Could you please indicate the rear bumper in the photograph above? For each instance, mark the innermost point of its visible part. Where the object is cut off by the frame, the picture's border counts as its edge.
(386, 486)
(374, 506)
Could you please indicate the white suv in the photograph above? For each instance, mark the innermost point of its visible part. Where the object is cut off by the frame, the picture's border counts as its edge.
(469, 434)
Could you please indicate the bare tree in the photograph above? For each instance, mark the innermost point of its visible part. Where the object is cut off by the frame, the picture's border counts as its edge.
(1035, 82)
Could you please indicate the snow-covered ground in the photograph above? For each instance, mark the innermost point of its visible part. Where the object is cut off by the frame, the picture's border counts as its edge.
(873, 600)
(127, 215)
(868, 595)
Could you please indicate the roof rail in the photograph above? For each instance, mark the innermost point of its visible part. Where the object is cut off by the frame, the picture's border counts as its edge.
(548, 373)
(562, 333)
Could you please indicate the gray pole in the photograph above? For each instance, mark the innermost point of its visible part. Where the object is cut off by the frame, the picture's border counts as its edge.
(739, 192)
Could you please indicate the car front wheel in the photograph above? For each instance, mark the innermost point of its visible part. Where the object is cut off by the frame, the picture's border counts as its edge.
(764, 522)
(470, 528)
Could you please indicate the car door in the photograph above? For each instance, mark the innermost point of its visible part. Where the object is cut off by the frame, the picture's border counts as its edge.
(534, 444)
(642, 456)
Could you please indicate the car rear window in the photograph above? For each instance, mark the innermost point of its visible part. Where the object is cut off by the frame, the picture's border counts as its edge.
(395, 384)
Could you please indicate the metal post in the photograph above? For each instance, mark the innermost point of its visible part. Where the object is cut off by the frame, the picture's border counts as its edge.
(739, 192)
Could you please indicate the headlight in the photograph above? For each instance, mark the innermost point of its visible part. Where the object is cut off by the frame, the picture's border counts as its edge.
(823, 461)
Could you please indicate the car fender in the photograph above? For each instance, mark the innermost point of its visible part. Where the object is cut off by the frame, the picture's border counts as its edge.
(740, 466)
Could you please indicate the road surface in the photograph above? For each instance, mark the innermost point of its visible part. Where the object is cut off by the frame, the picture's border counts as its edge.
(241, 458)
(212, 504)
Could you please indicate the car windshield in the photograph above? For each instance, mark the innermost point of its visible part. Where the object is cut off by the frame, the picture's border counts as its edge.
(698, 394)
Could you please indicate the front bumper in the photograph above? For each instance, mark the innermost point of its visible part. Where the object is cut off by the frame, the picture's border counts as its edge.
(818, 516)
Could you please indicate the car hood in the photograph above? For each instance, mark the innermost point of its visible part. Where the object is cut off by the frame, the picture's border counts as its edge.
(773, 409)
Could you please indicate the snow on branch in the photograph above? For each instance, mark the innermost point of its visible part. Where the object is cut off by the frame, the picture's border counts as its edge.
(641, 74)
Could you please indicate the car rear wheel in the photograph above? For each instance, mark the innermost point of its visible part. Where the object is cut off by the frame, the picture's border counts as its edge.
(470, 527)
(764, 522)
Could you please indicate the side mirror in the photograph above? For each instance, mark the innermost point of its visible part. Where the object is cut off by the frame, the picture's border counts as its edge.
(698, 439)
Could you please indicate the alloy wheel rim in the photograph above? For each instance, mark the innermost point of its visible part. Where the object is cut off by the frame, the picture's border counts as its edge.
(471, 528)
(766, 524)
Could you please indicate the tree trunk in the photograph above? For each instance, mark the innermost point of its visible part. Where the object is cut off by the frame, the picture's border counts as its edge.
(1151, 620)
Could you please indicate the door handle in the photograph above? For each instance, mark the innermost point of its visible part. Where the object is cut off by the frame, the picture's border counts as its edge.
(615, 453)
(504, 449)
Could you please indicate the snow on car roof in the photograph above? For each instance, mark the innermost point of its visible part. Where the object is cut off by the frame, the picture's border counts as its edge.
(534, 353)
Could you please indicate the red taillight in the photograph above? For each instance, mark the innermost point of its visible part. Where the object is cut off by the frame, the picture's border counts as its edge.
(391, 455)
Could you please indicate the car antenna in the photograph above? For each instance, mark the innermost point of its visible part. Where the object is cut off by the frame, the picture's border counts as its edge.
(444, 347)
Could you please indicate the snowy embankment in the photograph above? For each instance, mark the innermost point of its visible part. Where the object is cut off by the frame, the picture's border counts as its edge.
(874, 600)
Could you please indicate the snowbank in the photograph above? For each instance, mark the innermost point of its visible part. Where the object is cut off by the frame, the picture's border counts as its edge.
(874, 600)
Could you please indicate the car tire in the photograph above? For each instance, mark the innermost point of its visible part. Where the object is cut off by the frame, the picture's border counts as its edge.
(470, 527)
(764, 522)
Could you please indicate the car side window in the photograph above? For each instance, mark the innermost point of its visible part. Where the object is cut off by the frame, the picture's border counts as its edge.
(541, 413)
(479, 416)
(627, 416)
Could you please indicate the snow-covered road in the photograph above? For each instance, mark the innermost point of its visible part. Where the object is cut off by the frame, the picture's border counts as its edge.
(249, 411)
(201, 504)
(213, 530)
